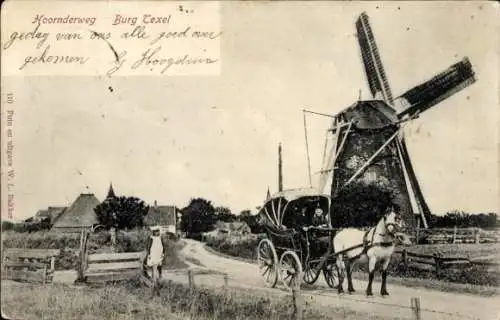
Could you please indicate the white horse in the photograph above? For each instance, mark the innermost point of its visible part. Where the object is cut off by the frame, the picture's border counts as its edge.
(375, 245)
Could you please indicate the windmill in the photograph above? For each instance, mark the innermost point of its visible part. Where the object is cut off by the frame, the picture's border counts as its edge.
(367, 144)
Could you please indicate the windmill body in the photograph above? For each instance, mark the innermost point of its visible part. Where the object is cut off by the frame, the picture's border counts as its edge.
(367, 144)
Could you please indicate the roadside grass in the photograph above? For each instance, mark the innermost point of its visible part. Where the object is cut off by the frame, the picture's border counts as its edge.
(129, 300)
(57, 301)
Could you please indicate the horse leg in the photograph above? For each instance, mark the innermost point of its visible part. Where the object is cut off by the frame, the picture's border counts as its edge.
(371, 268)
(350, 287)
(383, 288)
(341, 269)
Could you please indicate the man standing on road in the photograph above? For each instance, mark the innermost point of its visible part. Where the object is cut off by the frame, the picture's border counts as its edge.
(155, 249)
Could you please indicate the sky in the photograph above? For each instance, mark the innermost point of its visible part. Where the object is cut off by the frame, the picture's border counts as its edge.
(173, 138)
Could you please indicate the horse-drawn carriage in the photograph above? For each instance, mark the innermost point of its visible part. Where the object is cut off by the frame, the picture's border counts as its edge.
(299, 238)
(301, 241)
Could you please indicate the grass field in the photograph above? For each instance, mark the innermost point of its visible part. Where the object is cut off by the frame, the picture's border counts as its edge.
(131, 301)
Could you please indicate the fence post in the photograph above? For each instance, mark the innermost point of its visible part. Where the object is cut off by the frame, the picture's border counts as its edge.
(476, 235)
(191, 279)
(225, 281)
(81, 258)
(405, 259)
(44, 274)
(437, 264)
(415, 306)
(455, 234)
(297, 299)
(52, 264)
(417, 235)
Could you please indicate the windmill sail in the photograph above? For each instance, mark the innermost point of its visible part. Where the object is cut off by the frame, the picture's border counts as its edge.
(440, 87)
(375, 73)
(424, 210)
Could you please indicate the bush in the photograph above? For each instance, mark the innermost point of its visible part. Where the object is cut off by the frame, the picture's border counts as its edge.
(7, 225)
(244, 247)
(361, 205)
(41, 240)
(121, 212)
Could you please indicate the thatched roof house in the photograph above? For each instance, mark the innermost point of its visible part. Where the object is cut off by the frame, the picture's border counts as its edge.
(79, 215)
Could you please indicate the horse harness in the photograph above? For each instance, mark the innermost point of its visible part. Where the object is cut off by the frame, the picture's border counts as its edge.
(368, 244)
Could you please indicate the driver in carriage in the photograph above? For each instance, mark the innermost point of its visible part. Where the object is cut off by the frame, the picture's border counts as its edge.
(319, 219)
(312, 221)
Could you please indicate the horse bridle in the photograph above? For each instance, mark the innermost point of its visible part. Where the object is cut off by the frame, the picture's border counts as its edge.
(395, 227)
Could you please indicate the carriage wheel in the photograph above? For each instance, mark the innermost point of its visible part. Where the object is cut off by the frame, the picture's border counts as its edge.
(331, 274)
(311, 274)
(268, 262)
(290, 269)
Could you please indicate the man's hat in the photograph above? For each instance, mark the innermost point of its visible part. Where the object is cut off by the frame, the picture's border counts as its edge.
(155, 228)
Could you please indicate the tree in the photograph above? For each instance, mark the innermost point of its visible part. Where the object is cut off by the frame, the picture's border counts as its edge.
(462, 219)
(252, 221)
(361, 205)
(122, 212)
(199, 216)
(224, 214)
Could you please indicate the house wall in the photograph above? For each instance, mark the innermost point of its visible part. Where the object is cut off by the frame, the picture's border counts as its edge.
(168, 228)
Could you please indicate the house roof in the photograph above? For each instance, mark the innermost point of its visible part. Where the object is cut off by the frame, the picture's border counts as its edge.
(52, 212)
(55, 213)
(41, 214)
(160, 215)
(80, 213)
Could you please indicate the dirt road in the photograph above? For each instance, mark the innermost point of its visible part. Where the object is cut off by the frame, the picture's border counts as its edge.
(434, 304)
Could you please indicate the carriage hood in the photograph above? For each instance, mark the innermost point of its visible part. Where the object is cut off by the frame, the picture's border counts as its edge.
(284, 208)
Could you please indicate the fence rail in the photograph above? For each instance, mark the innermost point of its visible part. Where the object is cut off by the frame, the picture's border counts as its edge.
(438, 262)
(456, 235)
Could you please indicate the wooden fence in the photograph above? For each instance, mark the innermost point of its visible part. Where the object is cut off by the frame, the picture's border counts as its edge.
(32, 265)
(456, 235)
(437, 262)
